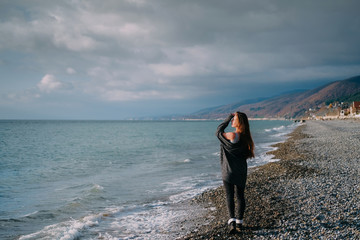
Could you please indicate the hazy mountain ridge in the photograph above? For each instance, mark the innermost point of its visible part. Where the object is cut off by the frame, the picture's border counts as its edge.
(289, 105)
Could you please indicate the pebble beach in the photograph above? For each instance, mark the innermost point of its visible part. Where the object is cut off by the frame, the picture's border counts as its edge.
(312, 192)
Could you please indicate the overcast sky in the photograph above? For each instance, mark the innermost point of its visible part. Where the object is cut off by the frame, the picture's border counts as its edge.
(118, 59)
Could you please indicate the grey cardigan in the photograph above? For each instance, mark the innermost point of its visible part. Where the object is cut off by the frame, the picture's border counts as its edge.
(233, 157)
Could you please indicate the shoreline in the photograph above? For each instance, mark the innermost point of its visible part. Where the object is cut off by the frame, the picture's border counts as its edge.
(220, 119)
(291, 197)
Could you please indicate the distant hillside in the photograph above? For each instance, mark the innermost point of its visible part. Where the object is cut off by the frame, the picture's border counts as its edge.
(290, 105)
(223, 109)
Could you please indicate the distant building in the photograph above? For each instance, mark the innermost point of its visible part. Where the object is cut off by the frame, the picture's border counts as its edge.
(342, 113)
(332, 113)
(335, 110)
(355, 108)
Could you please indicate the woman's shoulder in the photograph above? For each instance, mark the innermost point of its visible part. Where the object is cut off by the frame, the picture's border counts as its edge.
(229, 135)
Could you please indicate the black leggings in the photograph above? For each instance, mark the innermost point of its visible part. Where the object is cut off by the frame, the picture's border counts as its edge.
(229, 190)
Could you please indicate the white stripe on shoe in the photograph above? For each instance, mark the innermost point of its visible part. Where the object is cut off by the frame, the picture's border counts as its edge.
(231, 220)
(239, 221)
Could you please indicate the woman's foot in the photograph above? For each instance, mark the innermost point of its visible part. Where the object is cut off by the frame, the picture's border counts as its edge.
(239, 223)
(232, 225)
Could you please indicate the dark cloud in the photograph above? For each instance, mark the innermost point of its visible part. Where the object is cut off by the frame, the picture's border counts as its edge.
(161, 51)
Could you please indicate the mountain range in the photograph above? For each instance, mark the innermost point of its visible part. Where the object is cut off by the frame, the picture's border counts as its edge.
(289, 105)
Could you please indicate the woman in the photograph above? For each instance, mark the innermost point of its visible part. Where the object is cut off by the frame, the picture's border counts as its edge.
(236, 147)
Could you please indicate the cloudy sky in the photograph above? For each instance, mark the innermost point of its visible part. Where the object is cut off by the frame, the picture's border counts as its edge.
(118, 59)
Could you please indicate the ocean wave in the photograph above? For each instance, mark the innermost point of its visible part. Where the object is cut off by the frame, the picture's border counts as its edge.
(96, 188)
(216, 154)
(275, 129)
(151, 222)
(185, 195)
(261, 159)
(29, 215)
(68, 230)
(179, 184)
(185, 188)
(282, 131)
(71, 229)
(42, 214)
(277, 135)
(282, 128)
(107, 236)
(148, 221)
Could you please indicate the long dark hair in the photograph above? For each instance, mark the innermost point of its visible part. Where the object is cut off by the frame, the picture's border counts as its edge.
(245, 132)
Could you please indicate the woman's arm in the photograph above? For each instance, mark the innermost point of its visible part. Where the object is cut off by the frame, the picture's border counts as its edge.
(221, 128)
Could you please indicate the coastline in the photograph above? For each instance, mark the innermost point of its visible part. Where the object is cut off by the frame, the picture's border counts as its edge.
(298, 196)
(219, 119)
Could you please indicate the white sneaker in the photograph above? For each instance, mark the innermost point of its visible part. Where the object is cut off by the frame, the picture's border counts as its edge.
(239, 223)
(232, 225)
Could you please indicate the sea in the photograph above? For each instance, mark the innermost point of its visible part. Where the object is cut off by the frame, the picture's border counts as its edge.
(111, 179)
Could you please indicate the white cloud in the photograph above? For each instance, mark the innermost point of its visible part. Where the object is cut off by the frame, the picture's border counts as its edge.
(171, 70)
(117, 85)
(75, 42)
(116, 95)
(70, 70)
(138, 2)
(49, 84)
(24, 96)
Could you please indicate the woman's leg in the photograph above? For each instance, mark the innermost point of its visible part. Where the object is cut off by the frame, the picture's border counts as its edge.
(229, 190)
(240, 195)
